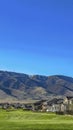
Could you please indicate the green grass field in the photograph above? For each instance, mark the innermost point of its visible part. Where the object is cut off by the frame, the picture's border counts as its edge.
(24, 120)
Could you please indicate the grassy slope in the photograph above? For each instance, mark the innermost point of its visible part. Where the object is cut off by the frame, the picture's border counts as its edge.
(20, 120)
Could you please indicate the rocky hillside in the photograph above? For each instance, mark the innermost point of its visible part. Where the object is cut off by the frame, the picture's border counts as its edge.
(16, 86)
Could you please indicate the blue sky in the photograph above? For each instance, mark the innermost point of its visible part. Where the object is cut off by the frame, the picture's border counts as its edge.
(36, 36)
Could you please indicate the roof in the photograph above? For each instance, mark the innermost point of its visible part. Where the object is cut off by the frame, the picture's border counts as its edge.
(69, 97)
(55, 101)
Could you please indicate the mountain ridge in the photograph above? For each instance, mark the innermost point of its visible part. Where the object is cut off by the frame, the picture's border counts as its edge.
(20, 86)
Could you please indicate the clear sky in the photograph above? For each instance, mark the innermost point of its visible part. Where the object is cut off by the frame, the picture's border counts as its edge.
(36, 36)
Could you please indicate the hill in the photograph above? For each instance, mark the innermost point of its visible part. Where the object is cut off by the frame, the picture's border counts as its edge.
(18, 86)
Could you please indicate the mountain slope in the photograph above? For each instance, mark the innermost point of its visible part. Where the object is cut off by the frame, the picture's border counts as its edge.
(16, 86)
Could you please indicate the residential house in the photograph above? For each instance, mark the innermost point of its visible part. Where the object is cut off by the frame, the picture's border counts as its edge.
(70, 103)
(54, 105)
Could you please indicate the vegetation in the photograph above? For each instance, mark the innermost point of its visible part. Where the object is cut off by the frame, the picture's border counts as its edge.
(17, 86)
(27, 120)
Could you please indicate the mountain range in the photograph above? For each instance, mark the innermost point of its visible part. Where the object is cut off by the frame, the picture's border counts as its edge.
(19, 86)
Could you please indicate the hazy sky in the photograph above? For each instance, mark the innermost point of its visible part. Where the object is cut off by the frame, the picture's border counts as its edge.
(36, 36)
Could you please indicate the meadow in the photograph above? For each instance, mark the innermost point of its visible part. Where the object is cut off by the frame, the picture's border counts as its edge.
(27, 120)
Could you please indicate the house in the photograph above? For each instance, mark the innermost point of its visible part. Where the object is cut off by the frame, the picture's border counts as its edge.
(37, 106)
(54, 105)
(70, 103)
(5, 105)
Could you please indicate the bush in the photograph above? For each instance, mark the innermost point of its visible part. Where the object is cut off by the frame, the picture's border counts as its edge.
(70, 112)
(60, 113)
